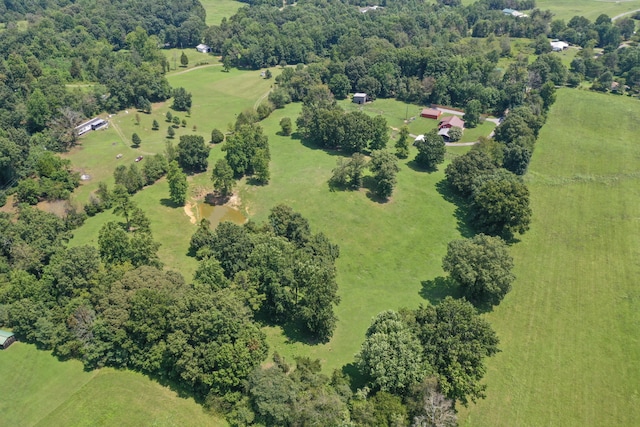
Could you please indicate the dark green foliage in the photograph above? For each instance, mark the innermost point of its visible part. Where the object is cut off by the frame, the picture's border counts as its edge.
(349, 174)
(171, 133)
(290, 225)
(384, 166)
(264, 110)
(285, 125)
(155, 125)
(135, 139)
(203, 238)
(431, 150)
(516, 158)
(340, 86)
(541, 45)
(464, 169)
(222, 177)
(154, 167)
(402, 146)
(217, 136)
(455, 133)
(178, 185)
(181, 99)
(379, 133)
(193, 153)
(456, 340)
(500, 204)
(169, 117)
(391, 356)
(481, 266)
(118, 247)
(176, 122)
(247, 150)
(472, 113)
(184, 61)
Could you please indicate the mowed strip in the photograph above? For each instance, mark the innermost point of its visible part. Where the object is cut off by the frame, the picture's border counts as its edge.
(569, 329)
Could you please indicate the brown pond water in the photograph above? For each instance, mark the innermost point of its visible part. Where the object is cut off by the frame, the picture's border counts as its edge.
(217, 214)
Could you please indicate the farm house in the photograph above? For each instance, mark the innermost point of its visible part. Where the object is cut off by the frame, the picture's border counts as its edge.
(6, 339)
(359, 98)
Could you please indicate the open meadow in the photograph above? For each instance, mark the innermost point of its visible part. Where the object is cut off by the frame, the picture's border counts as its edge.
(569, 328)
(46, 392)
(567, 9)
(218, 9)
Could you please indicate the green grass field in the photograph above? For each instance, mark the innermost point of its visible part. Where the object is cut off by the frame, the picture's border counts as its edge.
(218, 9)
(42, 391)
(569, 328)
(567, 9)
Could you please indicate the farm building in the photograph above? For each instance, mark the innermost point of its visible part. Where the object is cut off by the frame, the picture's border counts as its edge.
(369, 8)
(558, 46)
(203, 48)
(6, 339)
(451, 121)
(93, 124)
(431, 113)
(359, 98)
(514, 13)
(444, 133)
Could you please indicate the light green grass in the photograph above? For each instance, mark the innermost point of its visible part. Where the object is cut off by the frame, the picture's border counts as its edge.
(386, 249)
(218, 9)
(569, 328)
(567, 9)
(42, 391)
(196, 59)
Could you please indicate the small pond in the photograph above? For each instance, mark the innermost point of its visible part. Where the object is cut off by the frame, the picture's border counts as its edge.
(217, 214)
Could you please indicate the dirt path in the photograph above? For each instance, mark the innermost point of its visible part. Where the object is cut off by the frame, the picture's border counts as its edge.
(259, 101)
(118, 130)
(624, 14)
(194, 68)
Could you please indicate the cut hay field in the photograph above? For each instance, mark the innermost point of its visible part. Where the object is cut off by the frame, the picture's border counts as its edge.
(42, 391)
(570, 327)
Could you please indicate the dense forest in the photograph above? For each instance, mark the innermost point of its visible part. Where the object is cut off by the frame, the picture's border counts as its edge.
(114, 305)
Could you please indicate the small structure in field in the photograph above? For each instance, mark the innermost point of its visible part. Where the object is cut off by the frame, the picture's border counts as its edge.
(558, 46)
(369, 8)
(514, 13)
(203, 48)
(6, 339)
(360, 98)
(451, 121)
(431, 113)
(93, 124)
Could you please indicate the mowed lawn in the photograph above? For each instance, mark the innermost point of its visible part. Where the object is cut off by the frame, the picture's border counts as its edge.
(570, 328)
(386, 249)
(42, 391)
(218, 9)
(567, 9)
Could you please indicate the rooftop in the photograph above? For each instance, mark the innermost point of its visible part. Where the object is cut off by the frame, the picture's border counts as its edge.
(4, 336)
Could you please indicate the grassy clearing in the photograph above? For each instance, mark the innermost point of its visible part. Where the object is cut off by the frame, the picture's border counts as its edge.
(567, 9)
(196, 59)
(569, 329)
(218, 9)
(387, 250)
(47, 392)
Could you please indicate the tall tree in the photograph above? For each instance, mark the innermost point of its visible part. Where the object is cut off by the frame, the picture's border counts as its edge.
(193, 153)
(431, 150)
(222, 177)
(391, 355)
(384, 166)
(402, 146)
(481, 266)
(500, 204)
(122, 203)
(456, 340)
(135, 139)
(184, 60)
(178, 185)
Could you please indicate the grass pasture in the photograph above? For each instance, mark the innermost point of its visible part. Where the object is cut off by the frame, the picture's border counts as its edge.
(569, 328)
(218, 9)
(567, 9)
(46, 392)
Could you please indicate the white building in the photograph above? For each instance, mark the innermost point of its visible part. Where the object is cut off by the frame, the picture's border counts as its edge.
(93, 124)
(203, 48)
(558, 46)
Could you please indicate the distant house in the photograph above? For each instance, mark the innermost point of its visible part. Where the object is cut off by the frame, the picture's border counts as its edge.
(430, 113)
(93, 124)
(514, 13)
(6, 339)
(369, 8)
(558, 46)
(360, 98)
(203, 48)
(451, 121)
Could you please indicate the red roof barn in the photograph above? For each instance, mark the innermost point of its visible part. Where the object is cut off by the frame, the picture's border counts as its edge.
(451, 121)
(431, 113)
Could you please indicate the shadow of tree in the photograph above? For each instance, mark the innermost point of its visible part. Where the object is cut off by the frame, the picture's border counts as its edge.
(415, 166)
(461, 213)
(169, 203)
(356, 379)
(435, 290)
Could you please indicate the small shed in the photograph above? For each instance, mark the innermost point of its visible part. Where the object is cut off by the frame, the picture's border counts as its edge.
(359, 98)
(431, 113)
(558, 46)
(6, 339)
(451, 121)
(203, 48)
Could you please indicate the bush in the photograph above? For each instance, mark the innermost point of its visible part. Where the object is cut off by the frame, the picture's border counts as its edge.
(217, 136)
